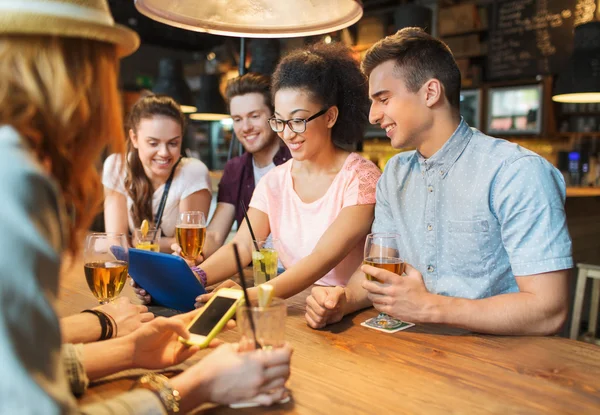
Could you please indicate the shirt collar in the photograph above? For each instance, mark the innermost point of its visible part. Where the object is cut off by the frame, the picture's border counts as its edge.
(445, 157)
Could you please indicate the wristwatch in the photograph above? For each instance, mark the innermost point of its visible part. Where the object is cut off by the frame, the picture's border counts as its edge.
(160, 385)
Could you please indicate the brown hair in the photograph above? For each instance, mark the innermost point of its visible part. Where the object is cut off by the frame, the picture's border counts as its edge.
(61, 95)
(419, 57)
(138, 185)
(248, 84)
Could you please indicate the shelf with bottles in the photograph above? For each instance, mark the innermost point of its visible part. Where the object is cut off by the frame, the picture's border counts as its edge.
(578, 118)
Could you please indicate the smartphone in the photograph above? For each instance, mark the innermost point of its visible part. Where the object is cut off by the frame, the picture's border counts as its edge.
(212, 317)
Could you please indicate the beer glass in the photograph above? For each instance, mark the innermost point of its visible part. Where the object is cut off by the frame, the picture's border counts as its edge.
(105, 264)
(190, 233)
(381, 251)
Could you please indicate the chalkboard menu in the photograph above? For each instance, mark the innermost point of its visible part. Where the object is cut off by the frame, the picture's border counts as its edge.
(533, 37)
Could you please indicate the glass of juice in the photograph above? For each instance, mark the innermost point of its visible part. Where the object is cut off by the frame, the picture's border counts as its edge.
(106, 262)
(190, 233)
(264, 261)
(149, 242)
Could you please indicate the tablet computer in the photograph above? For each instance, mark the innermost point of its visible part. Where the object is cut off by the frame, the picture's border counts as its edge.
(167, 278)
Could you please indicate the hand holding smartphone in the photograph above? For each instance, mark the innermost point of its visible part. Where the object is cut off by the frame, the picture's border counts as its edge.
(213, 317)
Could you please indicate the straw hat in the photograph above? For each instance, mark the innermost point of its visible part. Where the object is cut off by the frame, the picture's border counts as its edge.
(88, 19)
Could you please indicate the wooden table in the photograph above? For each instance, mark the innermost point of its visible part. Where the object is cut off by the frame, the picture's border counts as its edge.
(349, 369)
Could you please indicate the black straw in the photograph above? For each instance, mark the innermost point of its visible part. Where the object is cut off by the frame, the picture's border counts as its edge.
(248, 304)
(249, 226)
(262, 264)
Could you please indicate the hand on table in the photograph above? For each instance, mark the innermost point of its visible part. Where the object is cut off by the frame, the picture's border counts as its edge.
(128, 317)
(325, 305)
(402, 297)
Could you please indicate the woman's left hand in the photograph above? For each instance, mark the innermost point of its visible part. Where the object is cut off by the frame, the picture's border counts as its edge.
(203, 299)
(128, 317)
(156, 345)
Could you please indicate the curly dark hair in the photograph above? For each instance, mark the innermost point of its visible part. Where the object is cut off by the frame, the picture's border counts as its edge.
(332, 77)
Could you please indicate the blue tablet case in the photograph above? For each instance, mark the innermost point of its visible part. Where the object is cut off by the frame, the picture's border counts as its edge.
(167, 278)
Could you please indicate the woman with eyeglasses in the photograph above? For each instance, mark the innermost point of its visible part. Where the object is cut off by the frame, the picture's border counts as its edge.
(320, 204)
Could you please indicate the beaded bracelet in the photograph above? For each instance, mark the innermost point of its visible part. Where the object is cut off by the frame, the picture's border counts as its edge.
(201, 274)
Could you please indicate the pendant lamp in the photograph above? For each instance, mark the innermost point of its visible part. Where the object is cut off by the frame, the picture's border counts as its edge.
(580, 81)
(255, 18)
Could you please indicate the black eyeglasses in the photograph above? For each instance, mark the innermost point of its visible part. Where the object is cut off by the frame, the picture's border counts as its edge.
(297, 125)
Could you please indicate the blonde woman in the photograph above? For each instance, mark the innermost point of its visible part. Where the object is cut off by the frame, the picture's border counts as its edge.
(59, 108)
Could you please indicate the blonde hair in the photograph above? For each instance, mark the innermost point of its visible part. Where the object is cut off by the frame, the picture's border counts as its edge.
(61, 95)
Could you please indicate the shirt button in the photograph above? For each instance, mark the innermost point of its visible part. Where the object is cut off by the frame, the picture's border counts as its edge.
(441, 172)
(429, 227)
(430, 189)
(430, 268)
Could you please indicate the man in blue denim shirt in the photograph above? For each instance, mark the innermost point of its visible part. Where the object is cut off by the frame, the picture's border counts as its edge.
(481, 220)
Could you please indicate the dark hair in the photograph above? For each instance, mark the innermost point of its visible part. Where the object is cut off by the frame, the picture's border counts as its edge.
(419, 57)
(138, 185)
(248, 84)
(332, 76)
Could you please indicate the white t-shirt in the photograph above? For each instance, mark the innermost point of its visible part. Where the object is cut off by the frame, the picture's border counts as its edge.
(190, 177)
(259, 172)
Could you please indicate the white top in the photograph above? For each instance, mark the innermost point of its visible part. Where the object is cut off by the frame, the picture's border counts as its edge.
(190, 177)
(259, 172)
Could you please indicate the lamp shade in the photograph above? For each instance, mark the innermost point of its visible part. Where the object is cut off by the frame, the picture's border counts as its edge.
(255, 18)
(580, 81)
(171, 82)
(210, 105)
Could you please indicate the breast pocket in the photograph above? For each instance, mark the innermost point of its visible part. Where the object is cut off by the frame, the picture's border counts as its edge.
(469, 248)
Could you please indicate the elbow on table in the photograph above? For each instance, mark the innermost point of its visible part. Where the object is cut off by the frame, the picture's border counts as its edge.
(555, 319)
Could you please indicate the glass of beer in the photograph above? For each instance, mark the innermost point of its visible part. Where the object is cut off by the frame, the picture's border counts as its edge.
(190, 233)
(105, 264)
(149, 242)
(381, 251)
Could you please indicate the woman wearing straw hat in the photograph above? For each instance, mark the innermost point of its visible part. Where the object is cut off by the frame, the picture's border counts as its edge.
(59, 108)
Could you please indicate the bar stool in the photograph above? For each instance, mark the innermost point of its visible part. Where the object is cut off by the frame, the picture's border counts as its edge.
(586, 271)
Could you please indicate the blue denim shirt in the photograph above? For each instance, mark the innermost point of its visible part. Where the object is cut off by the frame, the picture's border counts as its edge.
(477, 213)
